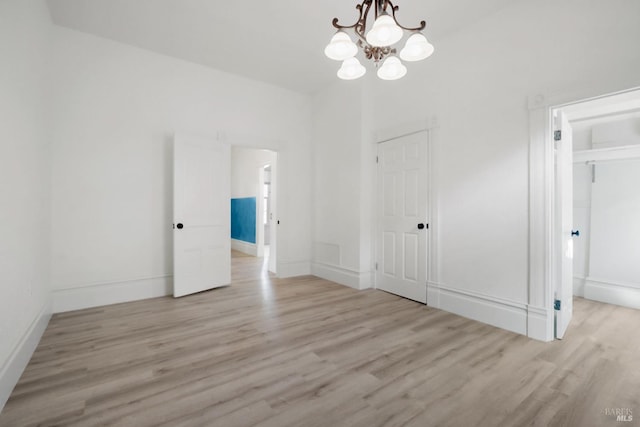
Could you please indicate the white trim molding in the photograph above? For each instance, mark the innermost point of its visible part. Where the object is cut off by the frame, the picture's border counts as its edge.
(505, 314)
(540, 321)
(578, 286)
(114, 292)
(293, 268)
(343, 276)
(625, 152)
(541, 249)
(404, 129)
(19, 358)
(513, 316)
(612, 292)
(244, 247)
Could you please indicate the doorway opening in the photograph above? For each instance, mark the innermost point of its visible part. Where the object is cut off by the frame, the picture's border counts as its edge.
(253, 205)
(597, 203)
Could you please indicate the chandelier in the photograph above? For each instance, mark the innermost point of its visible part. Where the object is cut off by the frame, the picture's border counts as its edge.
(377, 43)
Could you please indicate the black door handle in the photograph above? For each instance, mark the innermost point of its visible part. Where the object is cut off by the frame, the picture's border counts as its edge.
(420, 226)
(180, 226)
(575, 233)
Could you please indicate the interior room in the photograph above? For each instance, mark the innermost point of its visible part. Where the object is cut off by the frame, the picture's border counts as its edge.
(345, 213)
(606, 178)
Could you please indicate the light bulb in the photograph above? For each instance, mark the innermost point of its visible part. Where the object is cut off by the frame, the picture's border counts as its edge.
(340, 47)
(392, 69)
(384, 32)
(417, 48)
(351, 69)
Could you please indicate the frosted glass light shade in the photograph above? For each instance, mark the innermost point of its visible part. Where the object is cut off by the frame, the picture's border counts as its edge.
(340, 47)
(351, 69)
(384, 32)
(417, 48)
(392, 69)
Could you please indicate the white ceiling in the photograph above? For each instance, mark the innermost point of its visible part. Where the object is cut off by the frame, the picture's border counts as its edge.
(278, 42)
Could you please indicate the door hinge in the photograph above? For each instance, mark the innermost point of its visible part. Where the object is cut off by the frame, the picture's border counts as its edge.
(377, 159)
(427, 225)
(376, 266)
(557, 135)
(557, 304)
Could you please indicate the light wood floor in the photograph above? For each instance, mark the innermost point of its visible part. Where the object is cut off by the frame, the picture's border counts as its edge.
(307, 352)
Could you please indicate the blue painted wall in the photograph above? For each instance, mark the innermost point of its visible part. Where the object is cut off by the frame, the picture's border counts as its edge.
(243, 219)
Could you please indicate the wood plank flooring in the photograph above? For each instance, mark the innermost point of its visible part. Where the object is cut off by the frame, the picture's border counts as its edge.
(308, 352)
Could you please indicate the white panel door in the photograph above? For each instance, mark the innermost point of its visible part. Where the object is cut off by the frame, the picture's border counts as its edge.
(201, 210)
(402, 217)
(563, 225)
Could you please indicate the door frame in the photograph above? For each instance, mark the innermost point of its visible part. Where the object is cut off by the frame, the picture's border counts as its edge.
(563, 200)
(542, 231)
(277, 147)
(429, 127)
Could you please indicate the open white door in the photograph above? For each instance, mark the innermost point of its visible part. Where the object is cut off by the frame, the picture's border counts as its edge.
(272, 217)
(563, 224)
(201, 214)
(402, 217)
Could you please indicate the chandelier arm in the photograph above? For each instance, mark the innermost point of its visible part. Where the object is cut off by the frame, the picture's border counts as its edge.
(361, 25)
(362, 18)
(394, 9)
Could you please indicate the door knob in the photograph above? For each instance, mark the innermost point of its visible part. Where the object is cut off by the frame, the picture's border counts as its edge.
(180, 226)
(420, 226)
(575, 233)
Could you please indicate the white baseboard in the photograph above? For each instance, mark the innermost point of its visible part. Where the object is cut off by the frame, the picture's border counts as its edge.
(578, 286)
(244, 247)
(504, 314)
(95, 295)
(624, 294)
(21, 354)
(344, 276)
(540, 322)
(286, 268)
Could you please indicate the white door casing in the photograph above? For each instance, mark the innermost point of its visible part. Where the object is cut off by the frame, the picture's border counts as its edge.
(563, 273)
(273, 221)
(201, 214)
(402, 206)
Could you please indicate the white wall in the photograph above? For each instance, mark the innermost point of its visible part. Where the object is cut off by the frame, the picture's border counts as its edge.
(615, 223)
(477, 85)
(245, 164)
(117, 108)
(343, 163)
(24, 185)
(615, 133)
(582, 176)
(582, 139)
